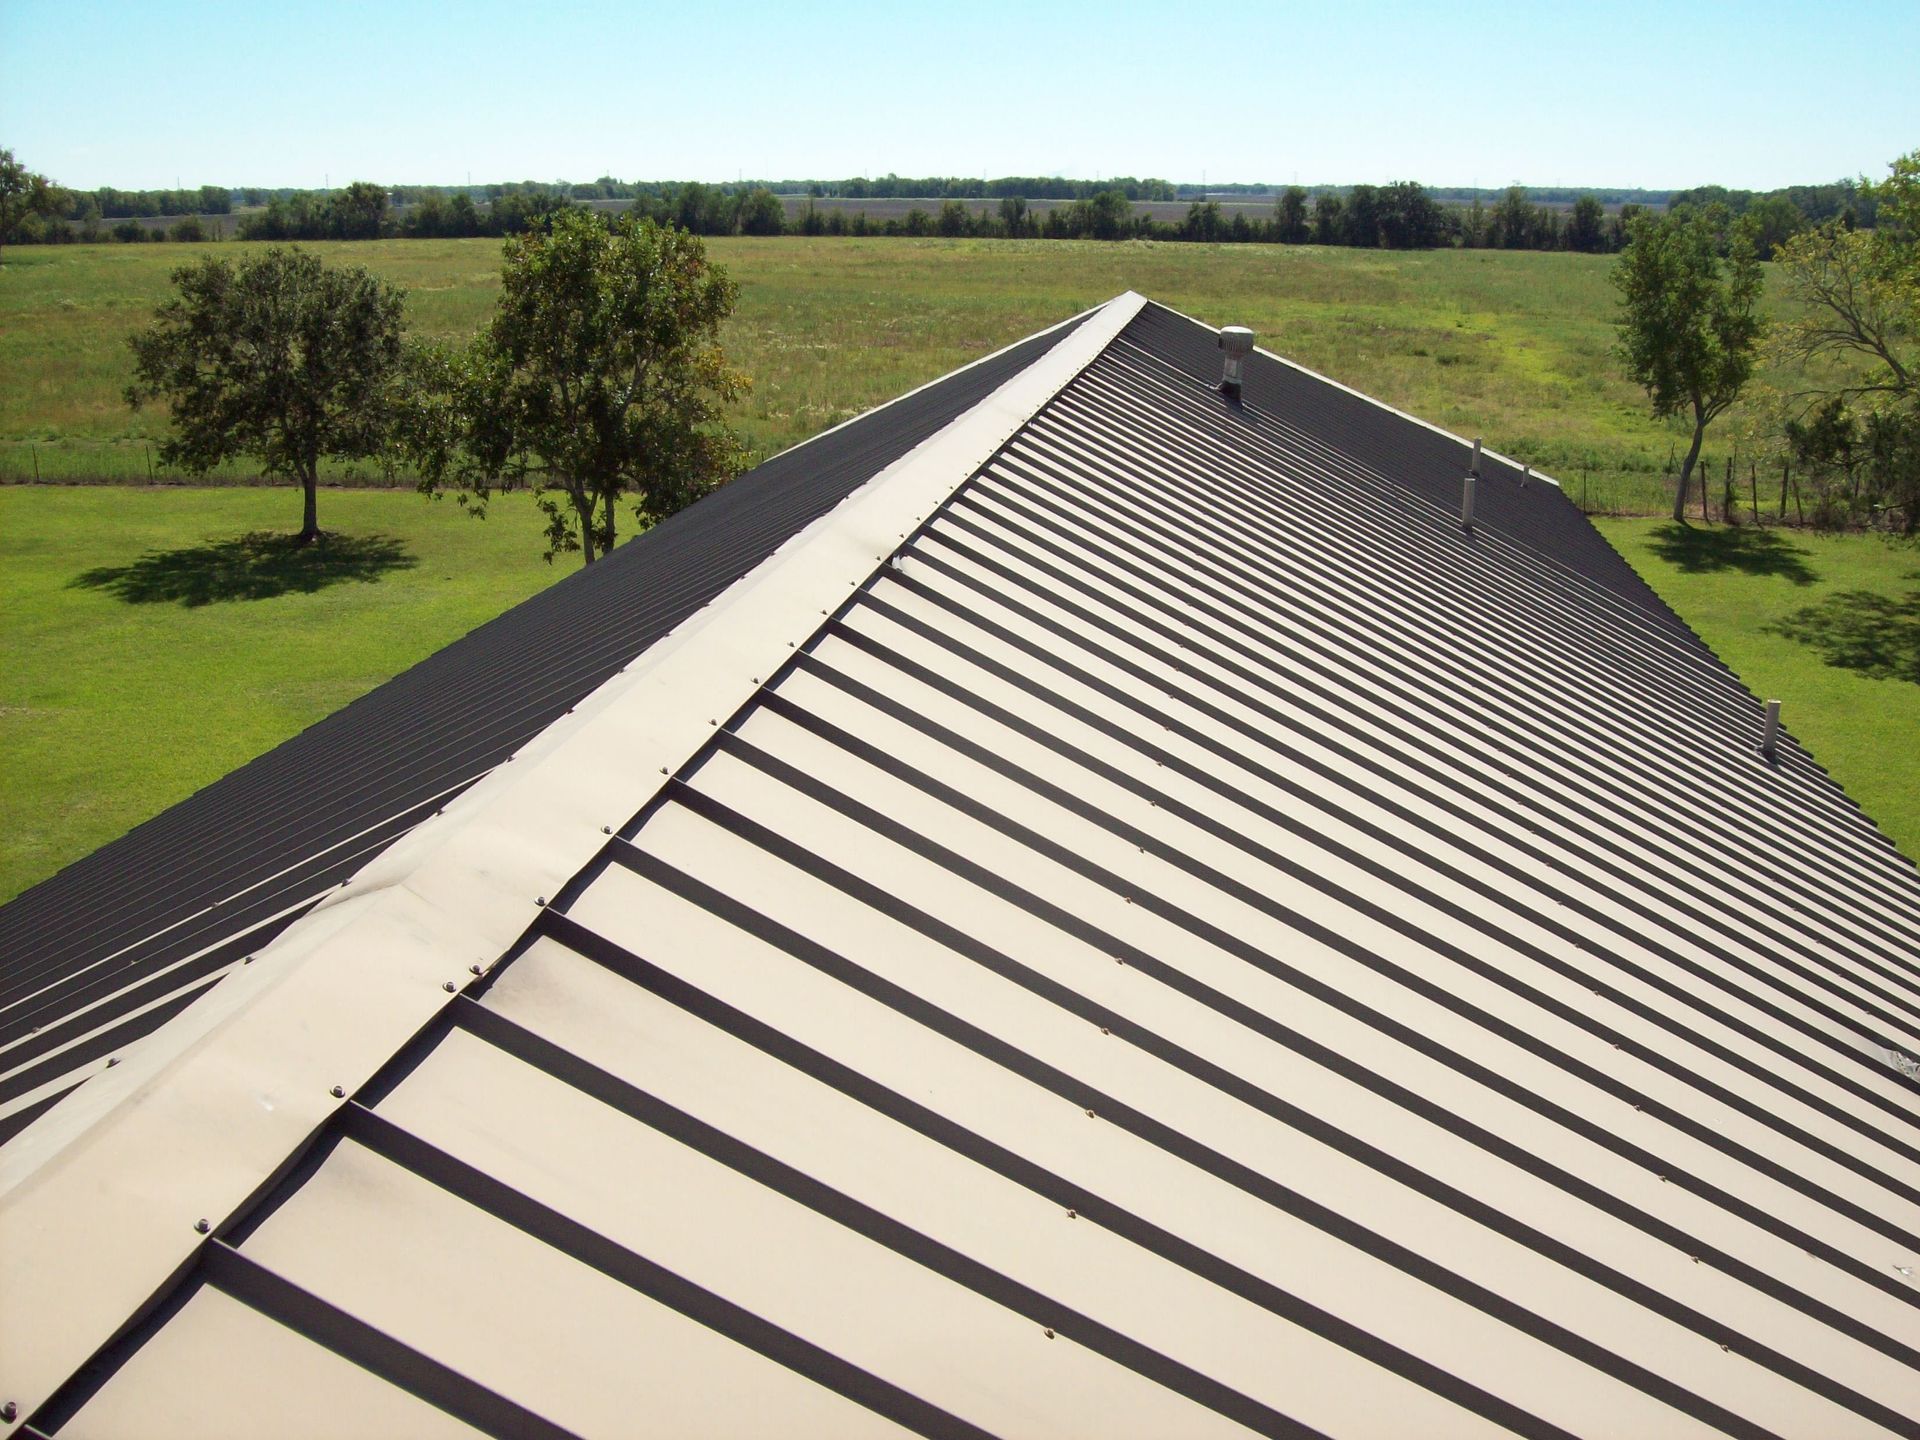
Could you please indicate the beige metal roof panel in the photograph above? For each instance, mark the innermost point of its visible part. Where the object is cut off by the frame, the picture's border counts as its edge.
(1248, 782)
(1379, 1293)
(557, 1336)
(1133, 924)
(1355, 797)
(219, 1370)
(690, 1211)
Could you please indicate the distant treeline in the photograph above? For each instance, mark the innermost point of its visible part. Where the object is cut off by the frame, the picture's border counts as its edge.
(1404, 215)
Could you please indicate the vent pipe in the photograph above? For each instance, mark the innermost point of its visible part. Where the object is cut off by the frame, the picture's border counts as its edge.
(1237, 341)
(1770, 736)
(1467, 489)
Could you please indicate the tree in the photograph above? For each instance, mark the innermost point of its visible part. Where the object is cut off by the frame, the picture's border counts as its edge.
(1290, 216)
(279, 357)
(1587, 226)
(22, 193)
(1688, 322)
(1514, 220)
(761, 212)
(1858, 293)
(599, 377)
(360, 211)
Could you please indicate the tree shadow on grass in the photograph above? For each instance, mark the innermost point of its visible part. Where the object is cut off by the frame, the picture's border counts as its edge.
(1749, 550)
(1862, 630)
(257, 566)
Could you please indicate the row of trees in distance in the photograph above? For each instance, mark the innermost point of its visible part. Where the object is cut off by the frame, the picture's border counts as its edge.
(1402, 215)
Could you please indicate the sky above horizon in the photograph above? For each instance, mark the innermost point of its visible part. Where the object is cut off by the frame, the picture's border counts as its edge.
(300, 93)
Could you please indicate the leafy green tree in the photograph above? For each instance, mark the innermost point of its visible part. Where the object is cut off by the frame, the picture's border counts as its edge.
(1688, 322)
(1290, 216)
(360, 211)
(1858, 294)
(278, 357)
(1013, 215)
(761, 212)
(1409, 218)
(1326, 220)
(1363, 217)
(1514, 220)
(599, 378)
(1587, 226)
(22, 193)
(1203, 222)
(953, 220)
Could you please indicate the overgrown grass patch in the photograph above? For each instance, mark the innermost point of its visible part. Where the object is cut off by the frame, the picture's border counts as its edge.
(1510, 345)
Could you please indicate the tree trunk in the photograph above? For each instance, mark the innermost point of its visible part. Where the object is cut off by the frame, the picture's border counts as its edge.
(1686, 467)
(583, 512)
(310, 522)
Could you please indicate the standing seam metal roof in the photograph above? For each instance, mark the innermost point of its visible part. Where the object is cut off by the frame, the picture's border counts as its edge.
(1192, 942)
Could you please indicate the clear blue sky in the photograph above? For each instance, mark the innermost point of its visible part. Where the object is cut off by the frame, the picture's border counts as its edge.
(294, 92)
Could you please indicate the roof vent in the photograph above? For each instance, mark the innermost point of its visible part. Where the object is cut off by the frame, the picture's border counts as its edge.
(1770, 731)
(1237, 341)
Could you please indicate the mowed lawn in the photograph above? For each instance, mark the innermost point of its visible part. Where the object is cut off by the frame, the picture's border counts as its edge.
(147, 652)
(1510, 345)
(1827, 625)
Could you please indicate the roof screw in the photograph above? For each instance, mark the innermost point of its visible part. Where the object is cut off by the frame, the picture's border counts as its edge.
(449, 987)
(247, 961)
(112, 1060)
(339, 1092)
(606, 829)
(541, 901)
(1105, 1031)
(1073, 1214)
(1049, 1332)
(202, 1227)
(473, 969)
(1089, 1114)
(663, 769)
(9, 1412)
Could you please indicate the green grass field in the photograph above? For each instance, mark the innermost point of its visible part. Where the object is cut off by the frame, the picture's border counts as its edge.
(147, 652)
(1827, 625)
(1509, 345)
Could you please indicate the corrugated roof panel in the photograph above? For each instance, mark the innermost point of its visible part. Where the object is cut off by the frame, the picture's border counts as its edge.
(1193, 943)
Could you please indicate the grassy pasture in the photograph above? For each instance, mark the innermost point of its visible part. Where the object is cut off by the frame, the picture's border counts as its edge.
(1511, 345)
(158, 638)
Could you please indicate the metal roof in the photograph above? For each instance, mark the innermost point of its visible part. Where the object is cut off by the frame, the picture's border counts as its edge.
(1132, 923)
